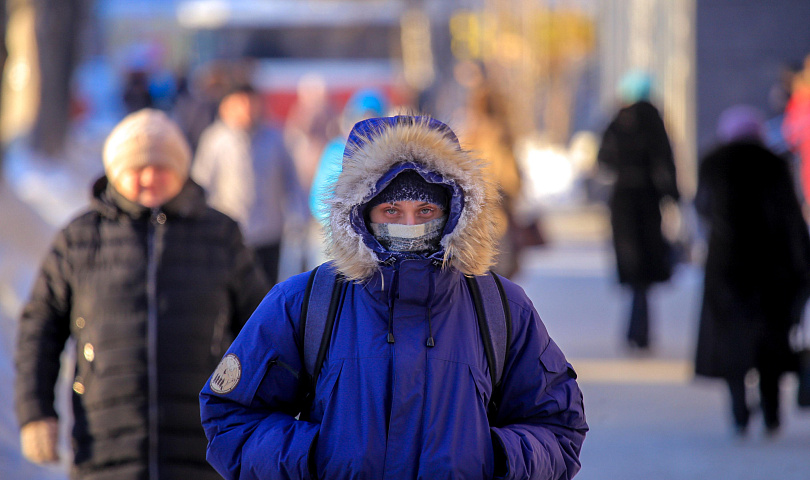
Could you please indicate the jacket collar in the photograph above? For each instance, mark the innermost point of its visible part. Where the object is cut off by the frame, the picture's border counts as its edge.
(190, 202)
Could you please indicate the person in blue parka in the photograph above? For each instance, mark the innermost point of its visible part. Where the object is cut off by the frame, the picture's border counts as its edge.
(404, 389)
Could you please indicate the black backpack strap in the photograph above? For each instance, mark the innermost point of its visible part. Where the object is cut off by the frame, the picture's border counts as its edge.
(494, 321)
(318, 312)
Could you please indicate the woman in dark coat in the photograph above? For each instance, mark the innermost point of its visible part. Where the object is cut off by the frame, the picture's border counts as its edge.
(151, 284)
(757, 266)
(636, 148)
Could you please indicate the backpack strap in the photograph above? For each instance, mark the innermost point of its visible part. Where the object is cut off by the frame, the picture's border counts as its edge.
(322, 298)
(494, 321)
(318, 312)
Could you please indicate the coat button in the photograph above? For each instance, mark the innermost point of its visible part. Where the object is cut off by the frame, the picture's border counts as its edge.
(78, 387)
(80, 322)
(161, 218)
(89, 352)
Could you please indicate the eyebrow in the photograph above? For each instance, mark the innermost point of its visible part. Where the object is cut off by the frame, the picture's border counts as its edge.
(396, 204)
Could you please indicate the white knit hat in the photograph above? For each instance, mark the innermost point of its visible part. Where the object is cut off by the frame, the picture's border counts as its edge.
(146, 137)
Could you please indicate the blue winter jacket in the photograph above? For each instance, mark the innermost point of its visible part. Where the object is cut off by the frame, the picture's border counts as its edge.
(400, 410)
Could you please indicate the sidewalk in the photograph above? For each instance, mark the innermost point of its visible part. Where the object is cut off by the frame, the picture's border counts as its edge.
(37, 196)
(24, 238)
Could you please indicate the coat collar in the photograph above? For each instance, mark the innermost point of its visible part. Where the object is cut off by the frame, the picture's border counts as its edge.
(190, 202)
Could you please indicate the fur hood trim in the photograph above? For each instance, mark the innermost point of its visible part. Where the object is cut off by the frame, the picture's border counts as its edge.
(380, 146)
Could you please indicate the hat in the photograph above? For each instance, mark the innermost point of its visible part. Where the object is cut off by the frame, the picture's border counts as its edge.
(367, 102)
(409, 185)
(635, 86)
(146, 137)
(739, 123)
(364, 103)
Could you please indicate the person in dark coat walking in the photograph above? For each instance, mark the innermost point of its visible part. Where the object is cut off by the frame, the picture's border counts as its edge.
(757, 264)
(152, 284)
(636, 148)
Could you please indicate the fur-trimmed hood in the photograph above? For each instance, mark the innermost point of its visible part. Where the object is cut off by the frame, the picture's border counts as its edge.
(380, 148)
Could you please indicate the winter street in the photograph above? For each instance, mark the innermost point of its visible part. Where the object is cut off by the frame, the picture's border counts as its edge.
(649, 419)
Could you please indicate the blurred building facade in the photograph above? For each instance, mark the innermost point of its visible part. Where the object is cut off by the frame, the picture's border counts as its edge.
(741, 49)
(560, 60)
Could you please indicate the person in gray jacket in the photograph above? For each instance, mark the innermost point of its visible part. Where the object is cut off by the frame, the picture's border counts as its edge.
(152, 284)
(248, 174)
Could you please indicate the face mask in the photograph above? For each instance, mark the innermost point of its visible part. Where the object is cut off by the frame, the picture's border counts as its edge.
(396, 237)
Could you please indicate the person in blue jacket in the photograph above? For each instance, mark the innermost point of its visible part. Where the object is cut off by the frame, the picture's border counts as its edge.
(364, 103)
(405, 386)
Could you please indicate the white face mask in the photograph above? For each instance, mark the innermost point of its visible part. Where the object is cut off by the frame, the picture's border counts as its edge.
(396, 237)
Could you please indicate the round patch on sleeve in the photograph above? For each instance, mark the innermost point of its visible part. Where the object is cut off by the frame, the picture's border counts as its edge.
(226, 376)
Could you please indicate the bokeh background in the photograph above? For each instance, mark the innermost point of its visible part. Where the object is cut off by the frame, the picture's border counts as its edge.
(72, 68)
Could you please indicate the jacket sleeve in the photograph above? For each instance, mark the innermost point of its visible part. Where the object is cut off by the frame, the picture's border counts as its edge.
(662, 160)
(607, 156)
(540, 425)
(43, 330)
(250, 403)
(204, 166)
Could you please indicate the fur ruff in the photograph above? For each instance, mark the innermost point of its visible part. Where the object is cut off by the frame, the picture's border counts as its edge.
(470, 247)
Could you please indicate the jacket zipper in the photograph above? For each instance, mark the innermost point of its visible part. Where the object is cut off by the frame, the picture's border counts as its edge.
(156, 219)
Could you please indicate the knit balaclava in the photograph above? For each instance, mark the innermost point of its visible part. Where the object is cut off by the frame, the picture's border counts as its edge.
(424, 238)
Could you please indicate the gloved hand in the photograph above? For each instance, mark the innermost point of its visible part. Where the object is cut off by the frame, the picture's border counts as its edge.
(39, 439)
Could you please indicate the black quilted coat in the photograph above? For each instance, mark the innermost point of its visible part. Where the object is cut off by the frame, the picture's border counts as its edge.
(152, 299)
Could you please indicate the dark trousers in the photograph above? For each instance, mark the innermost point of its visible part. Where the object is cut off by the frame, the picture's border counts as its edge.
(267, 256)
(768, 395)
(638, 330)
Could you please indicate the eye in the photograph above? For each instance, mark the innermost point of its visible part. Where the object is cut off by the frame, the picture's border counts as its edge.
(426, 211)
(390, 211)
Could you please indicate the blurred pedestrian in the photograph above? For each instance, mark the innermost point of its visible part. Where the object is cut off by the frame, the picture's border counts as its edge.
(774, 127)
(778, 98)
(796, 127)
(310, 124)
(152, 285)
(405, 385)
(136, 91)
(364, 103)
(486, 132)
(757, 265)
(249, 175)
(192, 111)
(636, 148)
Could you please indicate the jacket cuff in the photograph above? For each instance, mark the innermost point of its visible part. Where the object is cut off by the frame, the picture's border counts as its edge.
(281, 451)
(32, 410)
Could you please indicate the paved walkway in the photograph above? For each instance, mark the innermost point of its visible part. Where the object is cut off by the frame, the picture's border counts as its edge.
(650, 418)
(24, 237)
